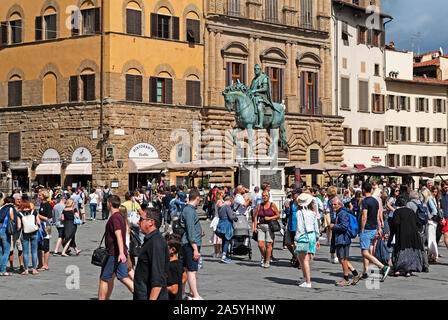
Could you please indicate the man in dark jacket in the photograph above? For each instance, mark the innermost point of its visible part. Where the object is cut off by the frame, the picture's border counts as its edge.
(343, 241)
(151, 272)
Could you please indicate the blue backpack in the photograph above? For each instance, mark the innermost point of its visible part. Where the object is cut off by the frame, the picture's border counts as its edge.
(422, 214)
(353, 228)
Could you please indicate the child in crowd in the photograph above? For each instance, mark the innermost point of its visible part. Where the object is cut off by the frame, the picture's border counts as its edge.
(176, 275)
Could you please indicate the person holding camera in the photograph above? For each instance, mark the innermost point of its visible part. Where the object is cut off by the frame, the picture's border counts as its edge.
(224, 229)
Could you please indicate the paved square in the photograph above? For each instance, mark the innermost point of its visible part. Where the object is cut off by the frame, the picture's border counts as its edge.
(239, 280)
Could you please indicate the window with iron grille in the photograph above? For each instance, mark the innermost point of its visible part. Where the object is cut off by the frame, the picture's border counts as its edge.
(234, 7)
(307, 14)
(314, 156)
(271, 11)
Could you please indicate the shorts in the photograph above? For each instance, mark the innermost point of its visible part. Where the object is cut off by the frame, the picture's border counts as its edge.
(443, 228)
(187, 254)
(44, 245)
(343, 251)
(264, 233)
(111, 267)
(289, 237)
(60, 232)
(16, 242)
(366, 238)
(327, 220)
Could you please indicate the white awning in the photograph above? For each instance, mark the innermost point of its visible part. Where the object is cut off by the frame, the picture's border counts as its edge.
(48, 168)
(79, 169)
(136, 164)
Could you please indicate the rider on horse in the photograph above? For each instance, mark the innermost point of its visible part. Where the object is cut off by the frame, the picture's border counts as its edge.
(261, 89)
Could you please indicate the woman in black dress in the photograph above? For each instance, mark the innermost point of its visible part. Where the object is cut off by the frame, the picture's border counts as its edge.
(68, 217)
(407, 253)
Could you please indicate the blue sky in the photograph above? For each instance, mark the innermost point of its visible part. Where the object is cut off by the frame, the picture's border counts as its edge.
(413, 16)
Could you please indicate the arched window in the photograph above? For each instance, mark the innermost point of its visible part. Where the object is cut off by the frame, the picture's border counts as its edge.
(11, 31)
(161, 88)
(49, 88)
(87, 88)
(193, 28)
(46, 25)
(164, 25)
(193, 93)
(86, 20)
(134, 81)
(133, 18)
(15, 91)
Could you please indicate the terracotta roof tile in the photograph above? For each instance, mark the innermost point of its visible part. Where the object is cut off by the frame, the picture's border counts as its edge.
(421, 80)
(433, 62)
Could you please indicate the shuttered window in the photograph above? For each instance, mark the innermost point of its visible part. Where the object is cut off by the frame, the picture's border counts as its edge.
(362, 31)
(377, 103)
(345, 93)
(16, 31)
(88, 81)
(14, 146)
(193, 93)
(50, 26)
(193, 31)
(134, 90)
(38, 28)
(234, 7)
(271, 12)
(364, 137)
(133, 21)
(165, 27)
(363, 96)
(347, 136)
(73, 89)
(314, 156)
(307, 14)
(4, 33)
(277, 79)
(91, 21)
(235, 71)
(378, 138)
(75, 22)
(15, 93)
(161, 90)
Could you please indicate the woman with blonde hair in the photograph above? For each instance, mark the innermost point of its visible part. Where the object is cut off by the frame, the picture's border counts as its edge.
(68, 216)
(266, 211)
(431, 230)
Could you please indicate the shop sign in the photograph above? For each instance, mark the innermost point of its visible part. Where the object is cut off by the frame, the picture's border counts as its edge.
(376, 159)
(82, 155)
(51, 156)
(143, 151)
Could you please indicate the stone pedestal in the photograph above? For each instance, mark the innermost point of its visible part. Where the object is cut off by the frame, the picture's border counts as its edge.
(254, 171)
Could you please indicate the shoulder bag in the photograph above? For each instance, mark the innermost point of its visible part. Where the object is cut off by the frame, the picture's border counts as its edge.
(133, 216)
(100, 255)
(303, 243)
(274, 226)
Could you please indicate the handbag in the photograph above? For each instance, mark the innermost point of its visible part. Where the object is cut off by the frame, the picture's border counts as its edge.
(439, 216)
(255, 236)
(77, 221)
(134, 244)
(133, 217)
(100, 255)
(274, 225)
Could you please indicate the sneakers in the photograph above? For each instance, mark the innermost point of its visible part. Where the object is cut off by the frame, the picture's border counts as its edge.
(356, 279)
(266, 265)
(226, 260)
(342, 283)
(301, 280)
(305, 285)
(185, 296)
(217, 255)
(197, 298)
(364, 276)
(334, 261)
(274, 260)
(262, 262)
(385, 272)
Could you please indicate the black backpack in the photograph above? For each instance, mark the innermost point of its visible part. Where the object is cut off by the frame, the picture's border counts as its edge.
(422, 214)
(177, 227)
(106, 196)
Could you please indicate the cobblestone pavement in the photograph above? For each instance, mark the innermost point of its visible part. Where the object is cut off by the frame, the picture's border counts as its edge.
(239, 280)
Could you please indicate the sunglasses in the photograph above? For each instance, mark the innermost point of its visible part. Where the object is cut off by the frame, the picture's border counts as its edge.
(141, 219)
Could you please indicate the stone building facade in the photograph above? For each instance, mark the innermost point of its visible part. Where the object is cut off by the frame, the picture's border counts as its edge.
(291, 41)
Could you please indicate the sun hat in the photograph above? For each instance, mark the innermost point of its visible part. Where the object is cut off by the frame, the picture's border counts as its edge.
(304, 199)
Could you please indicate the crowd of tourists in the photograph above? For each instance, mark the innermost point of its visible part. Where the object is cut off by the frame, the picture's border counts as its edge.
(154, 237)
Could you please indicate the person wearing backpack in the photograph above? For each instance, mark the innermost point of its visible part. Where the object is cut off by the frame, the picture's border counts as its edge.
(343, 232)
(6, 214)
(421, 212)
(30, 222)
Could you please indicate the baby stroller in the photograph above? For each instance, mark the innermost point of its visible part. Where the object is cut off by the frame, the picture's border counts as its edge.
(240, 245)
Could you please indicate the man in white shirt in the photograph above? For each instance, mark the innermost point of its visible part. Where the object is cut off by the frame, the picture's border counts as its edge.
(239, 204)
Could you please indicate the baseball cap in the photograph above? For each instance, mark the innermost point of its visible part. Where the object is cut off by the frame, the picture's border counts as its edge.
(256, 189)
